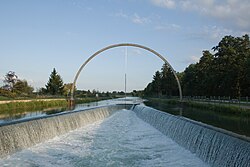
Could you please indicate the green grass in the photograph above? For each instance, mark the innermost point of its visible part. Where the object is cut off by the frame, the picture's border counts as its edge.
(43, 104)
(38, 105)
(216, 107)
(90, 99)
(165, 101)
(224, 108)
(32, 105)
(4, 98)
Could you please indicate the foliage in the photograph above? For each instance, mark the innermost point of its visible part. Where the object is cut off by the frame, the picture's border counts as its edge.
(38, 104)
(92, 94)
(55, 84)
(90, 99)
(21, 87)
(168, 84)
(137, 93)
(163, 84)
(67, 89)
(7, 93)
(224, 73)
(10, 79)
(42, 91)
(15, 87)
(4, 97)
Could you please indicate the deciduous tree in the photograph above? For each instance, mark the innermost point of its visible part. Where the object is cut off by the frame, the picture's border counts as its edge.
(21, 87)
(10, 79)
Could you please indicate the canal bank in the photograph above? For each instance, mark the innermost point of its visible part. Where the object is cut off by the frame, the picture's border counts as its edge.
(217, 107)
(11, 110)
(21, 105)
(6, 105)
(231, 117)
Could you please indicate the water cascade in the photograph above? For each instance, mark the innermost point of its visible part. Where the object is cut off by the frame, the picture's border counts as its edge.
(23, 134)
(213, 145)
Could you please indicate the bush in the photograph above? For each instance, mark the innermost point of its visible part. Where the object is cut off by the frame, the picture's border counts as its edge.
(7, 93)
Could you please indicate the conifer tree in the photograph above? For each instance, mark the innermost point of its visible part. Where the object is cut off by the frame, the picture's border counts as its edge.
(55, 84)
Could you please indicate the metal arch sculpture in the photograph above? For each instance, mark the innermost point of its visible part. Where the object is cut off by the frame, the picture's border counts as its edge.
(119, 45)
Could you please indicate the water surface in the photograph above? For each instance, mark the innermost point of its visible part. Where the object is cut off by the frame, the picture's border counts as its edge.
(236, 123)
(120, 140)
(16, 115)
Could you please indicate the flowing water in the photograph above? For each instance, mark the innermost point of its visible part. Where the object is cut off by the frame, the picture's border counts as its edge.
(236, 123)
(122, 139)
(213, 145)
(18, 115)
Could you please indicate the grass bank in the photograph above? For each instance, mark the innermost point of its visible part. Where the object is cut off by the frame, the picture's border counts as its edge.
(90, 99)
(223, 108)
(35, 104)
(4, 98)
(31, 105)
(216, 107)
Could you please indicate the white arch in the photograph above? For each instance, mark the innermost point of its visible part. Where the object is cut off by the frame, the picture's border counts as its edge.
(119, 45)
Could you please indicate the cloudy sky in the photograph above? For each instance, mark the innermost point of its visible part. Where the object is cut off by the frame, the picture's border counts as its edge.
(39, 35)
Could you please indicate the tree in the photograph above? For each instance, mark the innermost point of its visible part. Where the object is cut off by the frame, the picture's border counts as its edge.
(226, 72)
(169, 85)
(230, 58)
(205, 74)
(164, 83)
(21, 87)
(148, 91)
(10, 79)
(190, 80)
(156, 84)
(246, 85)
(55, 84)
(42, 91)
(67, 89)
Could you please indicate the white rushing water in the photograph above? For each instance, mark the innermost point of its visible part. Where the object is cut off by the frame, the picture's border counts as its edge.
(122, 139)
(214, 146)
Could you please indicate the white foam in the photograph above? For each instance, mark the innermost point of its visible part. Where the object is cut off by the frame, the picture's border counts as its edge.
(120, 140)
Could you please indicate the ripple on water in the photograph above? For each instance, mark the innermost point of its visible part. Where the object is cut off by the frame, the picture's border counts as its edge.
(120, 140)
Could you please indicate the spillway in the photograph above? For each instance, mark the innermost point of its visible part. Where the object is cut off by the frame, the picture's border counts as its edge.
(23, 134)
(122, 139)
(214, 146)
(113, 136)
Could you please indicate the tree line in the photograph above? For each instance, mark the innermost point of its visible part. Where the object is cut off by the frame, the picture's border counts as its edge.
(225, 71)
(15, 87)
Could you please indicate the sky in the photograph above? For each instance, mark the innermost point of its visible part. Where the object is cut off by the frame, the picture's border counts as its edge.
(39, 35)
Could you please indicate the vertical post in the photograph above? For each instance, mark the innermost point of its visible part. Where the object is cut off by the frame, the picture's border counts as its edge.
(71, 102)
(125, 85)
(125, 79)
(126, 44)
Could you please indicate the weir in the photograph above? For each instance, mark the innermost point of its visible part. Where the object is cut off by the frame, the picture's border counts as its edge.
(23, 134)
(215, 146)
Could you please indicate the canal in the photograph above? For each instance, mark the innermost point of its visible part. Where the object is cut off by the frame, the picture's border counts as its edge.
(237, 123)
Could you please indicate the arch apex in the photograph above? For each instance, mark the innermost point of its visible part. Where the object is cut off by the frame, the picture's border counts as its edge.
(120, 45)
